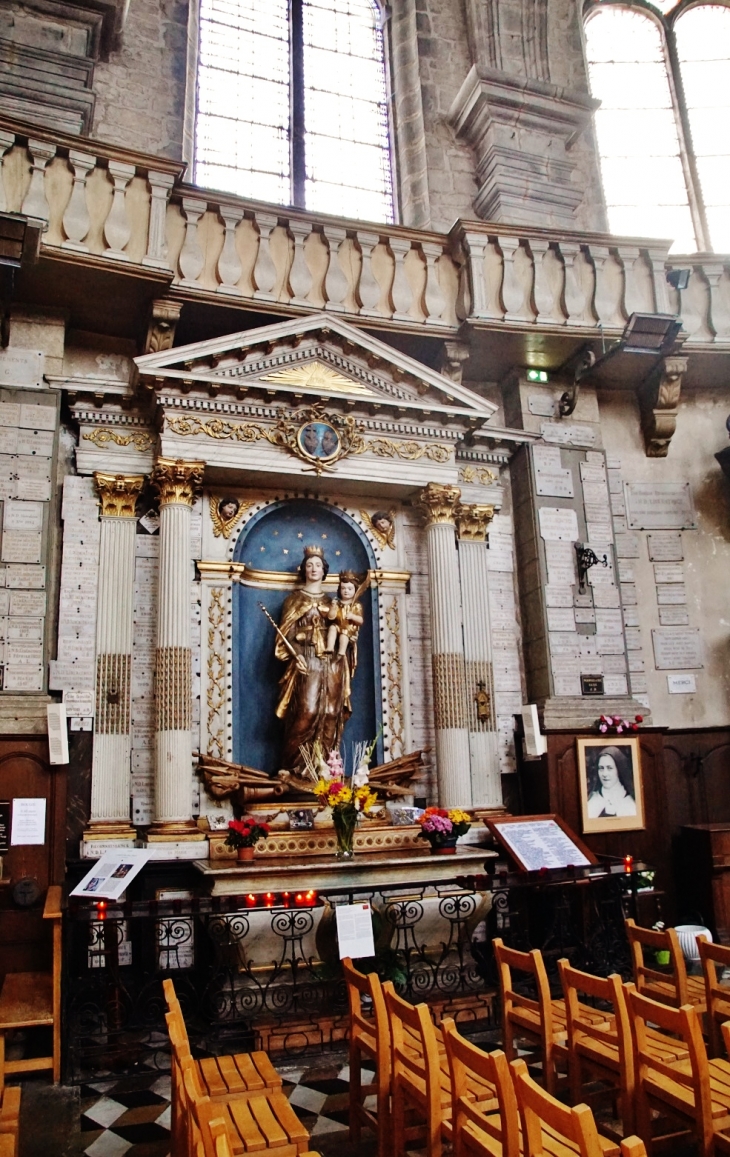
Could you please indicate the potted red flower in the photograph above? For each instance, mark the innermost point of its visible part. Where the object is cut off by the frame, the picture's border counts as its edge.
(244, 834)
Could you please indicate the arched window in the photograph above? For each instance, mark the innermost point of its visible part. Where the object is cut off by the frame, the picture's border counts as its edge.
(662, 73)
(292, 106)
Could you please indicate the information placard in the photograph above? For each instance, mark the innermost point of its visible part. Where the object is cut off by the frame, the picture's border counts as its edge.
(536, 842)
(355, 930)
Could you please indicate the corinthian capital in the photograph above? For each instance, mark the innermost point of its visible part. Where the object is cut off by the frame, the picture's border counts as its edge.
(118, 493)
(438, 503)
(472, 520)
(177, 481)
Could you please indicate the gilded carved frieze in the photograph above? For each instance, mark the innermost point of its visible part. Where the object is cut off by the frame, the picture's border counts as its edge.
(101, 437)
(394, 680)
(216, 691)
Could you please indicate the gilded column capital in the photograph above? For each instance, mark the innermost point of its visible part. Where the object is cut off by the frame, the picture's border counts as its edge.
(438, 503)
(472, 520)
(118, 493)
(178, 481)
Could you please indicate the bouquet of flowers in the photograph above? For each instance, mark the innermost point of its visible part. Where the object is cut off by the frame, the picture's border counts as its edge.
(442, 828)
(245, 833)
(346, 799)
(617, 724)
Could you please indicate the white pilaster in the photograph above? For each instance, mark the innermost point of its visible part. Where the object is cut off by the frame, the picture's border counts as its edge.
(110, 769)
(449, 675)
(177, 482)
(486, 782)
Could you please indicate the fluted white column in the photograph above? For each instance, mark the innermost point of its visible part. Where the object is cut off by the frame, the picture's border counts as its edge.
(449, 676)
(177, 482)
(472, 521)
(110, 768)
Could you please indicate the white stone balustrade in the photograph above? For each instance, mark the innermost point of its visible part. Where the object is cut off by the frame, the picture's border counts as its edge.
(126, 207)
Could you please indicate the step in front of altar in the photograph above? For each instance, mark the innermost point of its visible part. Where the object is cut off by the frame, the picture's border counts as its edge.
(323, 842)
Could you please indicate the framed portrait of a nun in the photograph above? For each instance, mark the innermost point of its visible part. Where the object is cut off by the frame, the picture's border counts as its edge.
(611, 788)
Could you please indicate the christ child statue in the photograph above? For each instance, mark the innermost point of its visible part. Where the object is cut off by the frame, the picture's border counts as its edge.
(345, 616)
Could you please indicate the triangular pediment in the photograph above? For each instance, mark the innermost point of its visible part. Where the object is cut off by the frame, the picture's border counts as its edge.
(316, 358)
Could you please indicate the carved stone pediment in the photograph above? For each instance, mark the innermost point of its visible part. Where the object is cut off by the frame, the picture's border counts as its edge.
(312, 360)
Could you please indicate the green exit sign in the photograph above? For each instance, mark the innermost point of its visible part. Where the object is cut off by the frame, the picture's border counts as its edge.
(538, 376)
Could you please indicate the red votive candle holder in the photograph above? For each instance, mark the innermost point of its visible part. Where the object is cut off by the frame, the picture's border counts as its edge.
(628, 863)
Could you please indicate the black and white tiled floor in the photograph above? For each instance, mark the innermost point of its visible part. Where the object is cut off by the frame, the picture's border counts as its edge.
(131, 1117)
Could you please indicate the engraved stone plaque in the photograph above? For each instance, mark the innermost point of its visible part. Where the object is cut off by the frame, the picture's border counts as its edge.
(674, 593)
(668, 572)
(557, 485)
(678, 649)
(665, 547)
(560, 619)
(558, 523)
(660, 506)
(670, 616)
(568, 436)
(627, 545)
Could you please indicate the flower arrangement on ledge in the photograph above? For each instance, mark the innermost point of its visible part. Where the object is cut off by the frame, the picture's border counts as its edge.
(618, 725)
(348, 802)
(442, 828)
(244, 834)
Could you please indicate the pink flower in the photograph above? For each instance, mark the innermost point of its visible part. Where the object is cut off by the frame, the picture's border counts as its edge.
(603, 727)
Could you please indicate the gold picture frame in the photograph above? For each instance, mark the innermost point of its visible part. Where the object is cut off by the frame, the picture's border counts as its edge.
(611, 797)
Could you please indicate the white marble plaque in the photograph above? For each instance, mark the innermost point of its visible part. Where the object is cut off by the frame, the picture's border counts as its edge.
(678, 649)
(665, 547)
(547, 459)
(633, 638)
(20, 515)
(25, 630)
(560, 618)
(23, 678)
(565, 664)
(639, 684)
(620, 525)
(591, 473)
(668, 572)
(628, 594)
(38, 489)
(609, 622)
(36, 442)
(671, 593)
(557, 485)
(559, 553)
(596, 493)
(585, 615)
(564, 643)
(566, 684)
(631, 616)
(627, 545)
(636, 662)
(9, 413)
(561, 576)
(660, 506)
(610, 644)
(558, 596)
(22, 368)
(8, 440)
(614, 664)
(37, 417)
(568, 435)
(25, 577)
(615, 485)
(618, 506)
(24, 603)
(21, 546)
(671, 616)
(615, 685)
(542, 405)
(626, 571)
(24, 654)
(606, 596)
(558, 524)
(681, 684)
(33, 467)
(599, 533)
(595, 457)
(4, 602)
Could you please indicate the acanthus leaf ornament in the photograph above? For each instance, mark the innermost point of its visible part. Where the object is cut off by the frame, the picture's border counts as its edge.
(439, 503)
(118, 493)
(177, 480)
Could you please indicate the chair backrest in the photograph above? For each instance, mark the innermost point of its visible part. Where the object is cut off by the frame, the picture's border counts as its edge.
(531, 964)
(407, 1062)
(466, 1059)
(173, 1003)
(583, 1028)
(718, 995)
(666, 987)
(375, 1028)
(683, 1022)
(538, 1107)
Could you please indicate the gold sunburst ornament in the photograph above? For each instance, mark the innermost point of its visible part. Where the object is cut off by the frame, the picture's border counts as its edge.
(317, 376)
(225, 513)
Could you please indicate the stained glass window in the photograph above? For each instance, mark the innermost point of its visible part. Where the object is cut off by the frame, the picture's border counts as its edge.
(661, 128)
(292, 105)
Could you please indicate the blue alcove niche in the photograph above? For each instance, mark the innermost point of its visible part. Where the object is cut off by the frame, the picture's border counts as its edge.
(274, 540)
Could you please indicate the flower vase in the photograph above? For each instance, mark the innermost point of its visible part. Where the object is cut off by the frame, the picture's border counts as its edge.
(444, 848)
(344, 833)
(245, 853)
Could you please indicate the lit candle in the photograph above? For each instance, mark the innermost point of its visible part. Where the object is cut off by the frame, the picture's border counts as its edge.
(628, 863)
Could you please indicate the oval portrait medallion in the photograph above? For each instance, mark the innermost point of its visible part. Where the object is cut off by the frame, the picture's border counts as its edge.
(318, 441)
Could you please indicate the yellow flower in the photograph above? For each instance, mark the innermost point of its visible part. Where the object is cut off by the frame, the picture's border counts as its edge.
(457, 816)
(365, 798)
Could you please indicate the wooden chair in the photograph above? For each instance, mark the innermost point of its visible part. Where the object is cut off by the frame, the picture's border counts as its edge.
(717, 995)
(222, 1077)
(33, 999)
(695, 1092)
(252, 1123)
(675, 988)
(10, 1115)
(476, 1131)
(541, 1021)
(550, 1128)
(369, 1038)
(416, 1083)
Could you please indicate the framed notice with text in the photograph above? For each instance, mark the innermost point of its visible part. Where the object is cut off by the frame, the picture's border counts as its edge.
(536, 842)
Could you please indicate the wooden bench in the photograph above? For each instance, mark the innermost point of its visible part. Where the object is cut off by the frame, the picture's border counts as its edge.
(33, 1000)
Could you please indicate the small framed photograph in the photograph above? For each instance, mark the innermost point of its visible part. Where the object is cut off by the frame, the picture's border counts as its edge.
(611, 788)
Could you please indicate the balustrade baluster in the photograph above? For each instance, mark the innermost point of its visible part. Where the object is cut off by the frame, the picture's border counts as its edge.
(7, 140)
(639, 281)
(117, 229)
(264, 273)
(517, 280)
(191, 258)
(160, 189)
(229, 263)
(549, 277)
(657, 261)
(401, 292)
(696, 307)
(76, 219)
(579, 284)
(335, 282)
(718, 278)
(609, 287)
(434, 295)
(300, 278)
(34, 202)
(368, 289)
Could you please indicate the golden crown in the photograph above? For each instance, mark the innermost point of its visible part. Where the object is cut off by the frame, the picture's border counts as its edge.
(313, 550)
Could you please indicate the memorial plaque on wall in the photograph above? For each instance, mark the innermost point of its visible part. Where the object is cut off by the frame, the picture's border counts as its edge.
(665, 547)
(677, 650)
(659, 506)
(558, 523)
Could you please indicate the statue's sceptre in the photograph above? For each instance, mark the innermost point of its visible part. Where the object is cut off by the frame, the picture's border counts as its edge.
(301, 662)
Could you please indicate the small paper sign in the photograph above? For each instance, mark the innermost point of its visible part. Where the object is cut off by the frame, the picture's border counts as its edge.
(112, 874)
(29, 822)
(355, 930)
(57, 733)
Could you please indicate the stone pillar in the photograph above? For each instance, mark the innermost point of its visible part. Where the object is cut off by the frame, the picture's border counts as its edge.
(177, 483)
(472, 522)
(110, 769)
(439, 504)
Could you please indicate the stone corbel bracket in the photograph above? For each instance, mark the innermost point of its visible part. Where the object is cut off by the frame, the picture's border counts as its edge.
(659, 403)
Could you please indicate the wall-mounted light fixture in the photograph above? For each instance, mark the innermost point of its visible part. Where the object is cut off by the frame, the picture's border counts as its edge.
(586, 557)
(679, 278)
